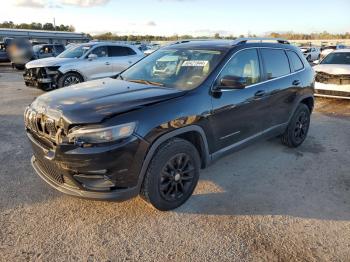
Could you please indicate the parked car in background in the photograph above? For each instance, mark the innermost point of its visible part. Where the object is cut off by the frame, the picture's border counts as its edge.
(81, 63)
(20, 51)
(325, 50)
(150, 130)
(311, 53)
(3, 54)
(333, 75)
(70, 45)
(47, 50)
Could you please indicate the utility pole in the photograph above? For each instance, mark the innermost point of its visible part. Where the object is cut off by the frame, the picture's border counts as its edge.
(54, 24)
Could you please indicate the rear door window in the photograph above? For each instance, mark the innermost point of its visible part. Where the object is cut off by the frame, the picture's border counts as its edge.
(275, 62)
(295, 61)
(120, 51)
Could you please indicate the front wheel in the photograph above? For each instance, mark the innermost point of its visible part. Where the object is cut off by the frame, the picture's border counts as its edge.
(69, 79)
(172, 175)
(298, 127)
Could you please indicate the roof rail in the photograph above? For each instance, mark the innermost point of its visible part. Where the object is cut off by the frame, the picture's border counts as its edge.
(181, 41)
(239, 41)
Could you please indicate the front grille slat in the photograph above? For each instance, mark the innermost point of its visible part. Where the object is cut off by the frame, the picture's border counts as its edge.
(40, 124)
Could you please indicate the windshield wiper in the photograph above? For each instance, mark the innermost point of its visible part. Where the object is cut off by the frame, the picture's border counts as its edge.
(147, 82)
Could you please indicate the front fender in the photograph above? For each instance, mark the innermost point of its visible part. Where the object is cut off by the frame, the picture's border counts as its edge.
(155, 145)
(69, 68)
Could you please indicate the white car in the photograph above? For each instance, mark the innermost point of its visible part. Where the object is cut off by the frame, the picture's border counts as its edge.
(82, 62)
(311, 53)
(329, 49)
(333, 75)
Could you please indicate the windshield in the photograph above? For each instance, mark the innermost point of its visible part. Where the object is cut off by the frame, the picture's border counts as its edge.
(75, 51)
(36, 48)
(183, 69)
(337, 58)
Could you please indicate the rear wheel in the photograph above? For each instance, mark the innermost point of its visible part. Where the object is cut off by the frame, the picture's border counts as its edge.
(172, 175)
(298, 127)
(69, 79)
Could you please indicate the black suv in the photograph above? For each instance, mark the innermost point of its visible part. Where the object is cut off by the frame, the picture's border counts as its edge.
(151, 129)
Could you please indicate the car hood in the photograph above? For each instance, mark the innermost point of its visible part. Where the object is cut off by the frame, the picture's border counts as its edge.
(94, 101)
(49, 61)
(333, 69)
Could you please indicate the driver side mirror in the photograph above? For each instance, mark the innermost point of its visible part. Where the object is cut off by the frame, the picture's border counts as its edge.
(232, 82)
(92, 57)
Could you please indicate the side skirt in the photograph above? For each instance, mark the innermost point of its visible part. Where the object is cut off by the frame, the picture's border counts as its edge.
(266, 134)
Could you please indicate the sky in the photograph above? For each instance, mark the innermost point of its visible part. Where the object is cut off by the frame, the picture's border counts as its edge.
(195, 17)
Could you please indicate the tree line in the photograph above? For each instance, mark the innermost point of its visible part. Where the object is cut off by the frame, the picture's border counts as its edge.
(38, 26)
(289, 35)
(110, 36)
(313, 36)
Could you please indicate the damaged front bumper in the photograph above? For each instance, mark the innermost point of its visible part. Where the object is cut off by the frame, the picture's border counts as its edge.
(332, 85)
(41, 77)
(102, 173)
(332, 90)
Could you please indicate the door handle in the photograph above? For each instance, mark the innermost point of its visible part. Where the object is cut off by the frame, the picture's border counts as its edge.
(130, 62)
(107, 63)
(259, 93)
(296, 83)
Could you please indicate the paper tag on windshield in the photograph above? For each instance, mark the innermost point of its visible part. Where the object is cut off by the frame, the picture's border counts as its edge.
(195, 63)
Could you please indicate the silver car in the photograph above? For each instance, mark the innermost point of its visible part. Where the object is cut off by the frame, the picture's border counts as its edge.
(81, 63)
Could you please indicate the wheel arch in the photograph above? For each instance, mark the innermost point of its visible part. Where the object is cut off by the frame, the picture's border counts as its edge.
(73, 71)
(193, 133)
(307, 99)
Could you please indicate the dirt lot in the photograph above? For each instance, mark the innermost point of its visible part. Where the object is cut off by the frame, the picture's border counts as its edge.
(264, 203)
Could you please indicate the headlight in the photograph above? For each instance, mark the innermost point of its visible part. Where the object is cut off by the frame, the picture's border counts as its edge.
(101, 135)
(52, 70)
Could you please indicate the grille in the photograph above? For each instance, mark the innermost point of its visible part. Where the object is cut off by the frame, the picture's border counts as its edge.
(35, 72)
(50, 169)
(326, 78)
(40, 123)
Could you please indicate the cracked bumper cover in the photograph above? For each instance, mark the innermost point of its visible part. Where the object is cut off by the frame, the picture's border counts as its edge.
(121, 194)
(122, 163)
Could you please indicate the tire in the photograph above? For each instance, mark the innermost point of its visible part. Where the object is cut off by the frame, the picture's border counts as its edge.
(298, 127)
(19, 67)
(308, 58)
(172, 175)
(45, 87)
(69, 79)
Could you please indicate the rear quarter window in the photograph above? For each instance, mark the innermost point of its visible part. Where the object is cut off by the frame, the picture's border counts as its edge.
(276, 63)
(295, 61)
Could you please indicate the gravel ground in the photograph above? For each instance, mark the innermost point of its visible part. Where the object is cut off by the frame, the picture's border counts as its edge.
(264, 203)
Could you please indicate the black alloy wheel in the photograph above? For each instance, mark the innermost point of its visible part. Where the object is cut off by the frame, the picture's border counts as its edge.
(301, 127)
(176, 177)
(172, 174)
(298, 127)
